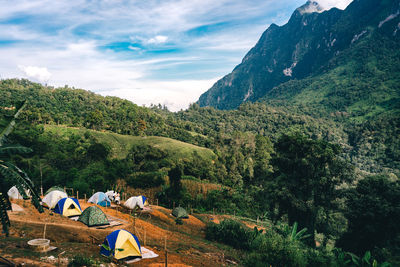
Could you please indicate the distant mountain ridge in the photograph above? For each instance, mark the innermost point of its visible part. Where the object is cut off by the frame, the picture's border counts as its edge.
(307, 46)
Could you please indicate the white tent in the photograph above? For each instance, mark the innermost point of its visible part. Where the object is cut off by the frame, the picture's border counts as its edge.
(132, 202)
(52, 198)
(113, 196)
(13, 193)
(110, 194)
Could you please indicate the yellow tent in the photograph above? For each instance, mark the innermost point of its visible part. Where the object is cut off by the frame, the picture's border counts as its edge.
(68, 207)
(122, 245)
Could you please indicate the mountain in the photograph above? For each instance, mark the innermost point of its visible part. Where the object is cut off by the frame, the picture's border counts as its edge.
(312, 43)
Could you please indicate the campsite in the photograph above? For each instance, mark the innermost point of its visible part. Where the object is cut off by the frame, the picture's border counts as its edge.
(74, 238)
(200, 133)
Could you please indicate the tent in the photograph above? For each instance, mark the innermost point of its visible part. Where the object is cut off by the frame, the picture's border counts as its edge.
(101, 199)
(93, 216)
(13, 193)
(68, 207)
(51, 199)
(139, 201)
(53, 188)
(180, 212)
(121, 244)
(113, 196)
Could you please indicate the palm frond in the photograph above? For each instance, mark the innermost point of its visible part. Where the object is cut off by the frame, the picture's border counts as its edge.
(21, 181)
(5, 221)
(14, 149)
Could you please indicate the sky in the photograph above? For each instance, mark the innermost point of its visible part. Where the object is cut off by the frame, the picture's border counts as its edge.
(164, 52)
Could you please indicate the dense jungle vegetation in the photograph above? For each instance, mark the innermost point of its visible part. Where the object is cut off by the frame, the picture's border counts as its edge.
(336, 180)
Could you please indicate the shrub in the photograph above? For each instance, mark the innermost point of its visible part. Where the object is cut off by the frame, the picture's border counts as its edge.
(80, 260)
(229, 232)
(271, 248)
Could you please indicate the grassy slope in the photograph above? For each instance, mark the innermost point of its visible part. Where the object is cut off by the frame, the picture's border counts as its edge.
(121, 144)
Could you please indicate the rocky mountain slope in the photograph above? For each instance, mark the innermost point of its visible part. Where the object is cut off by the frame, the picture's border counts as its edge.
(310, 44)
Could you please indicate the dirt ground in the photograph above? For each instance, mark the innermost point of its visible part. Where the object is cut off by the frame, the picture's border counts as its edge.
(185, 243)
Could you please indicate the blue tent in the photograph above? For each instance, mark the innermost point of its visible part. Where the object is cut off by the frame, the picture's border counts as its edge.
(121, 244)
(101, 199)
(68, 207)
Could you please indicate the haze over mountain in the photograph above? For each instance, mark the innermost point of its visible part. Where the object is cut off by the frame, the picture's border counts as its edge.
(363, 37)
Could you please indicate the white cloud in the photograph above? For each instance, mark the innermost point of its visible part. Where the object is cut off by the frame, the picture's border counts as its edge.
(328, 4)
(176, 95)
(104, 74)
(36, 73)
(159, 39)
(134, 48)
(76, 46)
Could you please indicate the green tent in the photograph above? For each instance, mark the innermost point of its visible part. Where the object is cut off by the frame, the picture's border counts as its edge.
(93, 216)
(54, 188)
(180, 212)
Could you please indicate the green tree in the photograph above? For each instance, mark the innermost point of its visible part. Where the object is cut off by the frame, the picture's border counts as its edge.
(373, 214)
(96, 119)
(263, 151)
(307, 175)
(175, 177)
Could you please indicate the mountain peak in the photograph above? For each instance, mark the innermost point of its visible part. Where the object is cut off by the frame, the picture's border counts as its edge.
(310, 7)
(308, 45)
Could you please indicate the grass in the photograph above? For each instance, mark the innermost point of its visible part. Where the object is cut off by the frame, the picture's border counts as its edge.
(121, 144)
(200, 187)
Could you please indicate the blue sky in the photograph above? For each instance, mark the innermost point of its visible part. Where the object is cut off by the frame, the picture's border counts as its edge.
(147, 51)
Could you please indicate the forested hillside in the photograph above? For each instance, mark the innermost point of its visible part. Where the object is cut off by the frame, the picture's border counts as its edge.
(369, 141)
(80, 108)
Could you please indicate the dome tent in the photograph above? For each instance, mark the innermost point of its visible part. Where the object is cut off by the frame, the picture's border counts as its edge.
(54, 188)
(13, 193)
(51, 199)
(139, 201)
(68, 207)
(101, 199)
(93, 216)
(121, 244)
(180, 212)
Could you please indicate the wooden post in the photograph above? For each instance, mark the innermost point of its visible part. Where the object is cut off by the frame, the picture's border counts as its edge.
(157, 201)
(166, 252)
(257, 219)
(59, 262)
(44, 231)
(77, 194)
(85, 197)
(134, 223)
